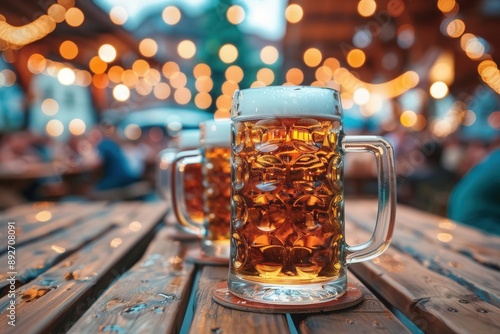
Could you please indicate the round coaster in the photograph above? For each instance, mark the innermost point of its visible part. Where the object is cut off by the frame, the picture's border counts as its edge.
(198, 257)
(222, 296)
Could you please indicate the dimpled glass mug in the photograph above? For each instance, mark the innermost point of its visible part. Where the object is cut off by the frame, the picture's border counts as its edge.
(214, 156)
(287, 222)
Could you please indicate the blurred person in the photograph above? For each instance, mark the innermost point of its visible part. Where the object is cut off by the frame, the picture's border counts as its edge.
(475, 199)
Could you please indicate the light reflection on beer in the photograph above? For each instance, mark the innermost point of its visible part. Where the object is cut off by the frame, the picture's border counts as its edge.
(287, 200)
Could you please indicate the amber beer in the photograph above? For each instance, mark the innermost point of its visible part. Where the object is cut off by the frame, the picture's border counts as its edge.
(287, 220)
(213, 192)
(288, 196)
(217, 193)
(193, 190)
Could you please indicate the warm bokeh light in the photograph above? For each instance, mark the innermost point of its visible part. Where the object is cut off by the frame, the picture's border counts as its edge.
(332, 63)
(143, 88)
(66, 76)
(36, 63)
(83, 78)
(312, 57)
(235, 14)
(269, 55)
(323, 74)
(257, 84)
(266, 76)
(182, 95)
(43, 216)
(140, 66)
(224, 102)
(203, 100)
(294, 13)
(294, 76)
(118, 15)
(152, 76)
(202, 70)
(54, 128)
(229, 87)
(228, 53)
(438, 90)
(367, 7)
(408, 118)
(50, 107)
(443, 68)
(130, 78)
(132, 131)
(107, 53)
(57, 13)
(97, 65)
(234, 73)
(186, 49)
(356, 58)
(204, 84)
(474, 48)
(66, 3)
(170, 68)
(100, 81)
(115, 74)
(162, 91)
(171, 15)
(77, 127)
(148, 47)
(494, 120)
(361, 96)
(74, 17)
(178, 80)
(68, 50)
(455, 28)
(121, 93)
(420, 124)
(446, 6)
(469, 118)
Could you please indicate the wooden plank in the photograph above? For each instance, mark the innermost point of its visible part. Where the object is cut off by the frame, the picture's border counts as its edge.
(211, 317)
(369, 316)
(482, 247)
(27, 232)
(37, 257)
(153, 294)
(61, 295)
(433, 302)
(26, 213)
(481, 280)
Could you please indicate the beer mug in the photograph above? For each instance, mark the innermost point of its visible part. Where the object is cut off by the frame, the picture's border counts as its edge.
(287, 222)
(185, 140)
(214, 156)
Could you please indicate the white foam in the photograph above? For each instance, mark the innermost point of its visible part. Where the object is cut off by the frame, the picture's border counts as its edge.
(188, 139)
(216, 133)
(283, 101)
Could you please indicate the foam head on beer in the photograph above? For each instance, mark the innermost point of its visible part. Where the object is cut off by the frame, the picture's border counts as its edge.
(285, 100)
(216, 133)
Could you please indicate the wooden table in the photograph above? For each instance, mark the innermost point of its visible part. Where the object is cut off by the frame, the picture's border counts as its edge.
(117, 268)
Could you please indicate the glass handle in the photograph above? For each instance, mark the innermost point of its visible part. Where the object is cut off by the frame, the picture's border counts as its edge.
(163, 172)
(183, 159)
(386, 175)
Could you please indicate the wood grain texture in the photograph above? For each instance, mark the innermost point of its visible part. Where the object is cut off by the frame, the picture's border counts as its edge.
(67, 290)
(152, 294)
(433, 302)
(480, 279)
(211, 317)
(371, 316)
(29, 229)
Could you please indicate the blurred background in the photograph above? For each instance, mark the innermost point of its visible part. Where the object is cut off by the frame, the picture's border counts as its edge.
(92, 90)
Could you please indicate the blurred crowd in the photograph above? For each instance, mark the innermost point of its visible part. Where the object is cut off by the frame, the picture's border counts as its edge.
(103, 164)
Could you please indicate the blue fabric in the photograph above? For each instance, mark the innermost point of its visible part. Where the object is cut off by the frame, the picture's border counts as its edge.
(475, 200)
(116, 172)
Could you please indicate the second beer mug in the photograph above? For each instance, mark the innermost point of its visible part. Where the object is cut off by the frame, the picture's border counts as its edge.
(214, 156)
(287, 224)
